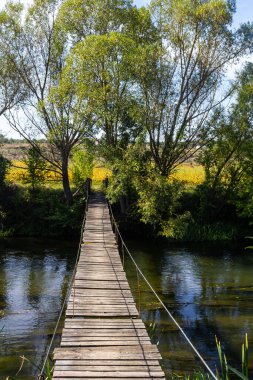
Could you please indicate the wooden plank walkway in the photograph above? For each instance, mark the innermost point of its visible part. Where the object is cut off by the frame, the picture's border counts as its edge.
(103, 337)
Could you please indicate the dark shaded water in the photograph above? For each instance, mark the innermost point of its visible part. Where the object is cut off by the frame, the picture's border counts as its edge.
(209, 289)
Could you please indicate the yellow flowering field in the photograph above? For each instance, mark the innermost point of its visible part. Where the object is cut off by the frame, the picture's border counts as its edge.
(18, 171)
(190, 174)
(100, 173)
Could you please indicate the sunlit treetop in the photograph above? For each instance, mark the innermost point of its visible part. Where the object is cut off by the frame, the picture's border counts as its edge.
(82, 18)
(201, 13)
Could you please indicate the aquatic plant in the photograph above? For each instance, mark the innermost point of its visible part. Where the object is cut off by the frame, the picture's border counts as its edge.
(197, 375)
(226, 369)
(47, 376)
(225, 372)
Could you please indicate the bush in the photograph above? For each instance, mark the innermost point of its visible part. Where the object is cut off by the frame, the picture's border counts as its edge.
(4, 166)
(45, 213)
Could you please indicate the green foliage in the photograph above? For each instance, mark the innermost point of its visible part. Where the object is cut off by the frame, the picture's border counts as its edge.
(4, 166)
(157, 199)
(177, 227)
(178, 76)
(48, 370)
(134, 166)
(226, 372)
(146, 82)
(98, 70)
(12, 91)
(154, 199)
(245, 357)
(43, 214)
(80, 19)
(246, 33)
(5, 140)
(36, 169)
(227, 157)
(82, 165)
(3, 231)
(197, 375)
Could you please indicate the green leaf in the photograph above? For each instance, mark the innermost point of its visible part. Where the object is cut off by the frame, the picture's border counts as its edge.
(236, 372)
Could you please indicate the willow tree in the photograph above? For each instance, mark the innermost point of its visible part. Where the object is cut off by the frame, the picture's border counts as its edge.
(37, 50)
(180, 77)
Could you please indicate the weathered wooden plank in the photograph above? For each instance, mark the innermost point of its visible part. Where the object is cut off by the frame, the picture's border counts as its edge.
(105, 332)
(84, 284)
(83, 313)
(74, 324)
(104, 343)
(108, 363)
(107, 368)
(84, 299)
(131, 375)
(120, 352)
(104, 309)
(104, 303)
(102, 293)
(100, 276)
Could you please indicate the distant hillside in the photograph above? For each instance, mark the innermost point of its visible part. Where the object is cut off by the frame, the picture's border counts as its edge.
(14, 151)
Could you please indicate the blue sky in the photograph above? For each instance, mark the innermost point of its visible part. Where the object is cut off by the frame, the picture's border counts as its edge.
(244, 13)
(139, 3)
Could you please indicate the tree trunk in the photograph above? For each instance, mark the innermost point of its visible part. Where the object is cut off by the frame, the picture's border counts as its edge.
(65, 181)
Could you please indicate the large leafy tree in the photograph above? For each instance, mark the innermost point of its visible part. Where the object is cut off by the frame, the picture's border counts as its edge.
(98, 70)
(227, 157)
(37, 49)
(180, 76)
(99, 66)
(228, 154)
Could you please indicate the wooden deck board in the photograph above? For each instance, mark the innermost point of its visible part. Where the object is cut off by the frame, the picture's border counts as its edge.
(103, 337)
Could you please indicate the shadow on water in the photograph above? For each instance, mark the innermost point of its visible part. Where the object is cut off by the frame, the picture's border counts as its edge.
(34, 276)
(208, 288)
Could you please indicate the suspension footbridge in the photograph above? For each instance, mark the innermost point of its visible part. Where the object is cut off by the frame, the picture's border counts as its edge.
(103, 336)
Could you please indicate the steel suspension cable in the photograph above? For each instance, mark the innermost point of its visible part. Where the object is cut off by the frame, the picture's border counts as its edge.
(159, 299)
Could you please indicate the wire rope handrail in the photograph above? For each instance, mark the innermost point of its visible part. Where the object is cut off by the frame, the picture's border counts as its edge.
(157, 296)
(41, 375)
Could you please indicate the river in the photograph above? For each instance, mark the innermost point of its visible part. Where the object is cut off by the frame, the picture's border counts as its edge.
(208, 288)
(34, 276)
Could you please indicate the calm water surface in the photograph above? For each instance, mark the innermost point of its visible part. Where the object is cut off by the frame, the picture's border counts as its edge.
(34, 276)
(209, 289)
